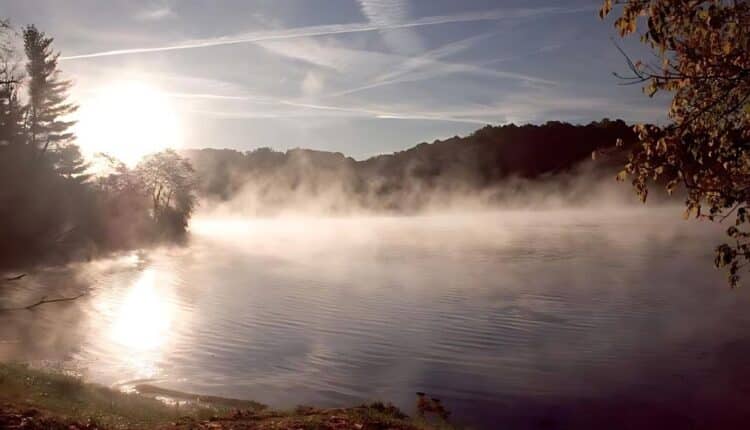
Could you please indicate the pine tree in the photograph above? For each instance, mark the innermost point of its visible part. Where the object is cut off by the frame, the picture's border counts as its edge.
(69, 163)
(11, 109)
(48, 104)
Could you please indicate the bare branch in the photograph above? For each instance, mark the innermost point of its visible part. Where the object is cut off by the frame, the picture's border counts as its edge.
(43, 301)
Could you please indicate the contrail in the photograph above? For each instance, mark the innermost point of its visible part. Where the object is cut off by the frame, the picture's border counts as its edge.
(305, 110)
(408, 70)
(325, 30)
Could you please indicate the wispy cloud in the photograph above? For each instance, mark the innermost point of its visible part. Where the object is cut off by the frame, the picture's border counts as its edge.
(447, 69)
(432, 57)
(215, 97)
(272, 107)
(330, 54)
(392, 12)
(156, 12)
(323, 30)
(385, 12)
(542, 50)
(378, 69)
(313, 84)
(519, 107)
(429, 65)
(318, 111)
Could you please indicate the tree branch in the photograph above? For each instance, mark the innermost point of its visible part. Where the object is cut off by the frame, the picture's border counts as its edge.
(15, 278)
(43, 301)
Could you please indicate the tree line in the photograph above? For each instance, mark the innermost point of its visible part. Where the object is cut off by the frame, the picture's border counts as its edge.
(495, 164)
(52, 207)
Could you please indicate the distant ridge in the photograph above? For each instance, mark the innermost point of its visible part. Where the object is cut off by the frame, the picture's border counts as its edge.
(409, 180)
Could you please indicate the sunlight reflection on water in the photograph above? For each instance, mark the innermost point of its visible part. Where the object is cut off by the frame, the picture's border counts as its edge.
(143, 323)
(133, 320)
(144, 319)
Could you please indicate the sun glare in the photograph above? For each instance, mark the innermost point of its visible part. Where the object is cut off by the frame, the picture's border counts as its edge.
(128, 120)
(144, 320)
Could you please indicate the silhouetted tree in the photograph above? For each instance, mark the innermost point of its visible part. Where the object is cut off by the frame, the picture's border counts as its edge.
(703, 52)
(69, 162)
(11, 114)
(11, 109)
(123, 205)
(51, 209)
(48, 100)
(169, 180)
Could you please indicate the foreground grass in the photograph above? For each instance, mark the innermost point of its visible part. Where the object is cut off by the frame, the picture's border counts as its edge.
(70, 398)
(39, 399)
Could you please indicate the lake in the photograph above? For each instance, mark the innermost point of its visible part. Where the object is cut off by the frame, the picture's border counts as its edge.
(544, 319)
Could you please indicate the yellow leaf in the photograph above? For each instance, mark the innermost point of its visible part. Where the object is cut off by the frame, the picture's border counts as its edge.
(727, 47)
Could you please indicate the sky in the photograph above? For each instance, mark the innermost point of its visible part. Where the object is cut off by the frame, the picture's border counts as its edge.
(361, 77)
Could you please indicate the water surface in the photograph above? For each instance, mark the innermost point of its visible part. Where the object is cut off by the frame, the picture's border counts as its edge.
(530, 319)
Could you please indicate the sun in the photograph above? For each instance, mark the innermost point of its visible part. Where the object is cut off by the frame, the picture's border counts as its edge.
(128, 120)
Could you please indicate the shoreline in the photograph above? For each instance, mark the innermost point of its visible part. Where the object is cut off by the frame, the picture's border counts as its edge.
(43, 399)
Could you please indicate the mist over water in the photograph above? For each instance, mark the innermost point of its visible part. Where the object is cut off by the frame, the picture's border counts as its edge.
(507, 316)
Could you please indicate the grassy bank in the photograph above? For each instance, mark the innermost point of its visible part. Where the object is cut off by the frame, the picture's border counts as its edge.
(39, 399)
(71, 398)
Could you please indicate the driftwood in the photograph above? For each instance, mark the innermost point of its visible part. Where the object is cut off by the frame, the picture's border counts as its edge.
(43, 301)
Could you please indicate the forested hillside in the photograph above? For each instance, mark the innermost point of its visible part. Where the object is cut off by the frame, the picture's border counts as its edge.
(410, 180)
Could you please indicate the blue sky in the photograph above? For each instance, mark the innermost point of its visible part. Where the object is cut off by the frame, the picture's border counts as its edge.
(357, 76)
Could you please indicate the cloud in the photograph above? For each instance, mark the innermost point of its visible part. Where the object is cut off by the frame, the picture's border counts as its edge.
(519, 107)
(544, 49)
(215, 97)
(379, 69)
(452, 68)
(385, 12)
(323, 30)
(330, 54)
(278, 108)
(428, 66)
(312, 84)
(430, 58)
(156, 12)
(393, 12)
